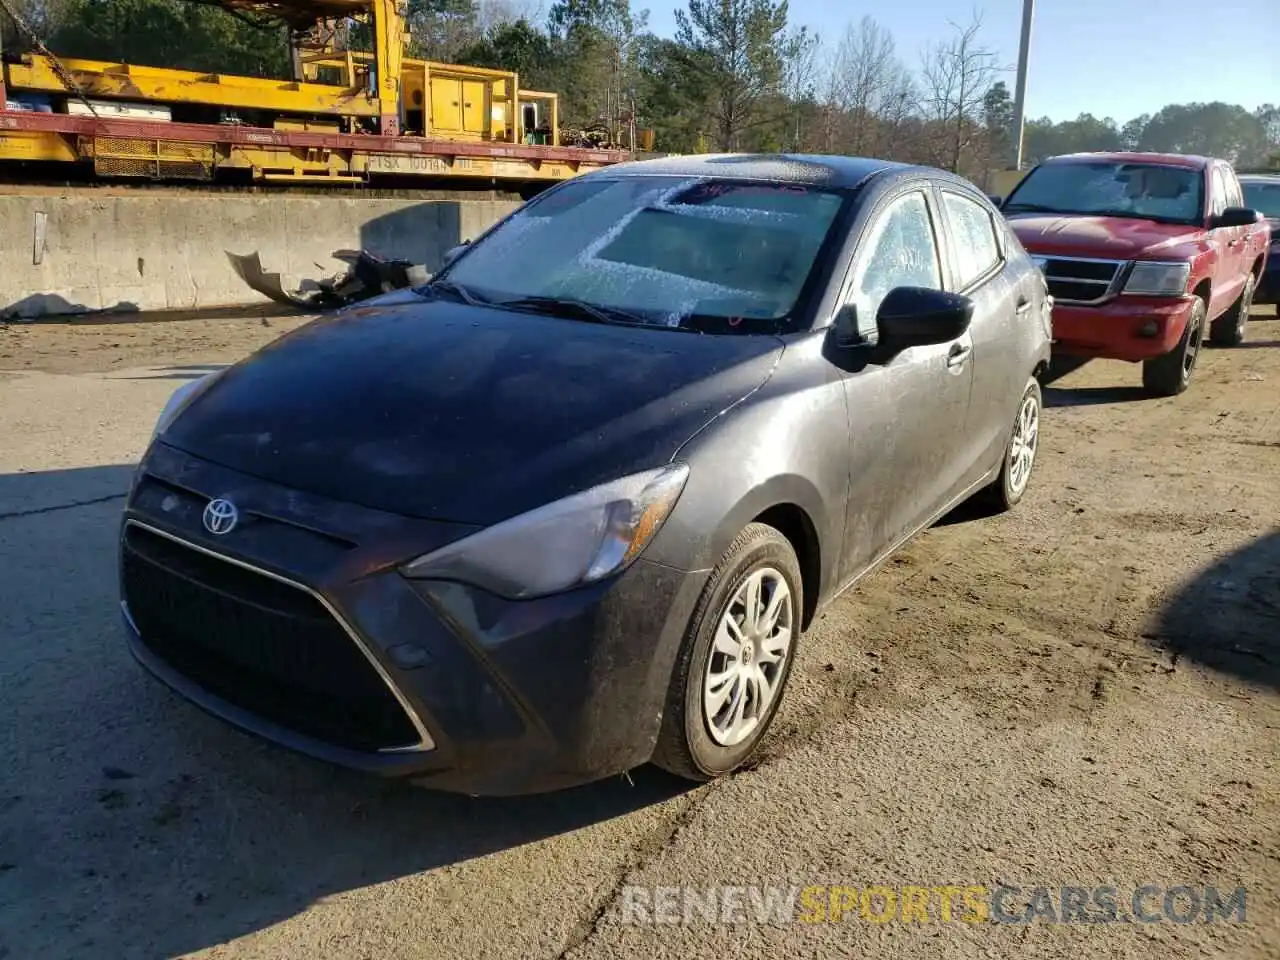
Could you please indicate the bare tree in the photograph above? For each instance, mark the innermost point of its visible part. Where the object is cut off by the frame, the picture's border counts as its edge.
(865, 76)
(800, 71)
(956, 75)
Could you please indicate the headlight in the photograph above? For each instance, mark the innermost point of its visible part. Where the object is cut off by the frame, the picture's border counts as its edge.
(574, 541)
(1156, 279)
(179, 399)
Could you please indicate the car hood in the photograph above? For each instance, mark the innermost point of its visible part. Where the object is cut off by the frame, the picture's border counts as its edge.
(1106, 238)
(469, 414)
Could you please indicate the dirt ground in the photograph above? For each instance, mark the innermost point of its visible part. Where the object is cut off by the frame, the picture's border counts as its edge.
(1084, 692)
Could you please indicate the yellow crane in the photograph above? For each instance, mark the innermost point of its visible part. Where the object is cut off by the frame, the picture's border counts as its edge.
(345, 116)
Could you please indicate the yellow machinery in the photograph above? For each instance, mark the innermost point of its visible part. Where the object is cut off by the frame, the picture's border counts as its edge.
(346, 116)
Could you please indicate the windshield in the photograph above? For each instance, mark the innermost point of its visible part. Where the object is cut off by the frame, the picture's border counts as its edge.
(668, 251)
(1263, 195)
(1111, 188)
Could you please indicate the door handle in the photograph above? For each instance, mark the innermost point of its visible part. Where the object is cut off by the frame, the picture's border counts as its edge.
(957, 355)
(1233, 243)
(1022, 307)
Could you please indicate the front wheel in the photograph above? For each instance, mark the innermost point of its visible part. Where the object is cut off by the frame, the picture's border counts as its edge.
(733, 666)
(1170, 374)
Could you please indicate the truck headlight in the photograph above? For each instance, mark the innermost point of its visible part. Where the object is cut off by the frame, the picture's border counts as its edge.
(1154, 278)
(575, 541)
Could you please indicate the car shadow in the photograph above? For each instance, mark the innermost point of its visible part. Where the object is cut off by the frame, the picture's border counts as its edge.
(1227, 617)
(1091, 396)
(136, 825)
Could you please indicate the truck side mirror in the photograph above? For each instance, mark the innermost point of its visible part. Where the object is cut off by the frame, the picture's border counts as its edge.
(1234, 217)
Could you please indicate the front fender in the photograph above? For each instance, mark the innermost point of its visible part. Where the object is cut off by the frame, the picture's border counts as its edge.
(787, 444)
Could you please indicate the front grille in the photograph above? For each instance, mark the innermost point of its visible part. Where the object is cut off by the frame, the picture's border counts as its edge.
(1081, 281)
(262, 645)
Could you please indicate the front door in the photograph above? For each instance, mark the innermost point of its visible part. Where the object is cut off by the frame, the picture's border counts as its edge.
(1229, 277)
(906, 417)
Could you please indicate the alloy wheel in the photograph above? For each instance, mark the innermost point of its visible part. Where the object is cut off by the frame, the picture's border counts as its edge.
(1022, 447)
(1192, 350)
(748, 655)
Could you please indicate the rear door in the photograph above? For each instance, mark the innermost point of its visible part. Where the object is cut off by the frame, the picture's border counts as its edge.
(979, 272)
(906, 417)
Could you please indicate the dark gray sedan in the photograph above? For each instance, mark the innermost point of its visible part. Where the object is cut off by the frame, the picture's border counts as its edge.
(569, 507)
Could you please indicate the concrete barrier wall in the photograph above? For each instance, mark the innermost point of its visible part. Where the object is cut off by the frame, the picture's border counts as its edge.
(76, 254)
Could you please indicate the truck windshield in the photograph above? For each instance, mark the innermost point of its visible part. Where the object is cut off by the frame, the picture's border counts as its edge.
(1263, 196)
(1110, 188)
(667, 251)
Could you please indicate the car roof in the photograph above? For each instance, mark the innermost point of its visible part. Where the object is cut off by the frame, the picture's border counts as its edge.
(792, 168)
(1188, 161)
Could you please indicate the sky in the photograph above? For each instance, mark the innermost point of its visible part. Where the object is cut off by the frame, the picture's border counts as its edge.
(1111, 58)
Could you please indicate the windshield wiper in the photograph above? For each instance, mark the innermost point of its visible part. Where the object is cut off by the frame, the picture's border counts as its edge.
(560, 306)
(1019, 207)
(457, 290)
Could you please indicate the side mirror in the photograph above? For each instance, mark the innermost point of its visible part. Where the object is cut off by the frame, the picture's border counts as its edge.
(453, 253)
(847, 326)
(1234, 217)
(918, 316)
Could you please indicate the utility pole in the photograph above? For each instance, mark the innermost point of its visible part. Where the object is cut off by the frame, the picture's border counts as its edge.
(1020, 93)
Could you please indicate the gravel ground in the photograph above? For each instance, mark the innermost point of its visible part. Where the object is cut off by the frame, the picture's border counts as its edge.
(1083, 693)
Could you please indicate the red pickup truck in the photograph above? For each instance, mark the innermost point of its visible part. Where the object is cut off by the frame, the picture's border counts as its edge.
(1143, 253)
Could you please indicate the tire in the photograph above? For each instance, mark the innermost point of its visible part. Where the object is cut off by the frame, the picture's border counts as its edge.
(1008, 489)
(690, 744)
(1170, 374)
(1229, 329)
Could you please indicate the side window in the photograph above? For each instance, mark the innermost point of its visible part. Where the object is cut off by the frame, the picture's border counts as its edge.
(900, 251)
(1218, 198)
(976, 245)
(1235, 195)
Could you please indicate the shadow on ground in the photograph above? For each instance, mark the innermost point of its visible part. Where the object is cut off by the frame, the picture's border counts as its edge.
(1091, 396)
(136, 825)
(1228, 616)
(190, 371)
(37, 306)
(1057, 396)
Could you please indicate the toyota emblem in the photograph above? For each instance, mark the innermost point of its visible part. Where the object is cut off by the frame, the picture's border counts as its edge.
(220, 516)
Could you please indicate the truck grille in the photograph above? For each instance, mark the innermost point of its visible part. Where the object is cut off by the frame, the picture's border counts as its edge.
(262, 645)
(1081, 281)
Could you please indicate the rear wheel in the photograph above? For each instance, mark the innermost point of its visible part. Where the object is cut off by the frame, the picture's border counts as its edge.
(733, 667)
(1170, 374)
(1229, 329)
(1020, 453)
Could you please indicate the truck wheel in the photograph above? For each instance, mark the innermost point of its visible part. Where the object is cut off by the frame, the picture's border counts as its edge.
(1169, 375)
(732, 669)
(1228, 330)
